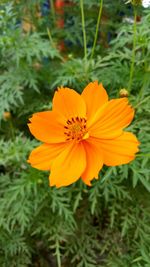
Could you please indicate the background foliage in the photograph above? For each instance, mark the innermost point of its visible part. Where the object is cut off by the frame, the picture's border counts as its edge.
(107, 225)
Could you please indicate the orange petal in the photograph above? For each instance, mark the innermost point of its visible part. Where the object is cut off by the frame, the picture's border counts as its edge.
(94, 161)
(68, 166)
(120, 150)
(69, 103)
(111, 119)
(42, 157)
(46, 128)
(94, 96)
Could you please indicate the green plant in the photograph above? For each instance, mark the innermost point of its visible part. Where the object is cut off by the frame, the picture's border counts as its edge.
(106, 225)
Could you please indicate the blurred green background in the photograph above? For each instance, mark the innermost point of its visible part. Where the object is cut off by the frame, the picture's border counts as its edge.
(42, 47)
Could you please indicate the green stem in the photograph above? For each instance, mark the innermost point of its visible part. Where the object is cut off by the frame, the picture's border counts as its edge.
(143, 155)
(58, 254)
(50, 37)
(133, 51)
(53, 10)
(97, 28)
(53, 44)
(83, 29)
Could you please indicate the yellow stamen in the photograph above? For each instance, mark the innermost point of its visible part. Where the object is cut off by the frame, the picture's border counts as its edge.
(75, 129)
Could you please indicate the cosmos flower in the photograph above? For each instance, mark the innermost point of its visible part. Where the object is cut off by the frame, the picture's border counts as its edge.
(81, 133)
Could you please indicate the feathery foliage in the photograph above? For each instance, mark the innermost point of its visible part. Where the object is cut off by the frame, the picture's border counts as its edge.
(106, 225)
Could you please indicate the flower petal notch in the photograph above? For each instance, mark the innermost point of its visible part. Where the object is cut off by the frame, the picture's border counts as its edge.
(81, 134)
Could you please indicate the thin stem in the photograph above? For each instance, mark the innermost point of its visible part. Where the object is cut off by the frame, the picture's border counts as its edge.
(97, 28)
(133, 51)
(53, 44)
(143, 155)
(50, 38)
(52, 10)
(83, 29)
(58, 256)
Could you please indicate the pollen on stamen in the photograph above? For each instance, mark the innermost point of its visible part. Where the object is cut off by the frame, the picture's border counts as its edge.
(75, 129)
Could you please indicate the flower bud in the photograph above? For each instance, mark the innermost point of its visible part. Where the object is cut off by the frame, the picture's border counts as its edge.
(6, 115)
(123, 93)
(37, 66)
(40, 181)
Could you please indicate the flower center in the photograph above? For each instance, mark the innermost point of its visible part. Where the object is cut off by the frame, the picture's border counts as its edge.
(75, 129)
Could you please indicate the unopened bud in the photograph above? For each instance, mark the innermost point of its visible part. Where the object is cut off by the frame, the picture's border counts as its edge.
(6, 115)
(123, 93)
(40, 181)
(37, 66)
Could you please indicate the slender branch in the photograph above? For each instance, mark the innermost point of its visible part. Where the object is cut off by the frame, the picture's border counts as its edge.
(133, 50)
(83, 28)
(97, 28)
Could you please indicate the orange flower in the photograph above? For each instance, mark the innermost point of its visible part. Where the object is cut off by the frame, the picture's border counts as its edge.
(81, 133)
